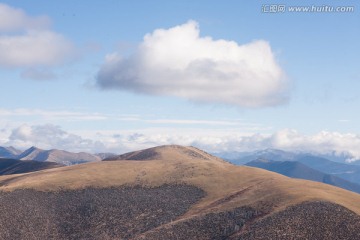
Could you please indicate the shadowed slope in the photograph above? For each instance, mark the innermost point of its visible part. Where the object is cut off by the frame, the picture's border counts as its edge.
(90, 213)
(11, 166)
(308, 220)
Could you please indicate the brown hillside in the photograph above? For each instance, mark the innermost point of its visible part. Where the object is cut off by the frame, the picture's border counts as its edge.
(234, 197)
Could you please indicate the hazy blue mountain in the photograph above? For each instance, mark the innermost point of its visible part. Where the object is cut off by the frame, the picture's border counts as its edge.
(336, 157)
(348, 172)
(280, 155)
(9, 152)
(241, 158)
(296, 169)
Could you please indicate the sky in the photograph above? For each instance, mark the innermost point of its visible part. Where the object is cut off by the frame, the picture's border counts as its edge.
(116, 76)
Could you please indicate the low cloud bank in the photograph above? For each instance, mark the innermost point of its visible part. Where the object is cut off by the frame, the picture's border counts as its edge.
(50, 136)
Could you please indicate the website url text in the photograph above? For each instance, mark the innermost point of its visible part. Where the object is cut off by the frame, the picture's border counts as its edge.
(282, 8)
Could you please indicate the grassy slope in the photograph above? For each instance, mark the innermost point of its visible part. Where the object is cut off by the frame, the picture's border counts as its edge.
(227, 186)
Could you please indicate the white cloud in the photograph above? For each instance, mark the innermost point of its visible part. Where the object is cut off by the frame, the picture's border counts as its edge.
(13, 19)
(323, 142)
(27, 41)
(34, 48)
(222, 140)
(50, 136)
(179, 62)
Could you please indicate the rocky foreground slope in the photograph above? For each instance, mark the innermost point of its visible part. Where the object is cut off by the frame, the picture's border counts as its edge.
(172, 192)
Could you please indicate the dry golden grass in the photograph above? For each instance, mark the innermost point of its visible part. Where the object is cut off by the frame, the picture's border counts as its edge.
(227, 186)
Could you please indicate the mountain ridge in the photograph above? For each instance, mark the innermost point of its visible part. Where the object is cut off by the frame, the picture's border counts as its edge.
(296, 169)
(346, 171)
(55, 155)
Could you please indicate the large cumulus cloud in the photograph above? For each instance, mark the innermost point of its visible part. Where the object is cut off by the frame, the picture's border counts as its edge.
(179, 62)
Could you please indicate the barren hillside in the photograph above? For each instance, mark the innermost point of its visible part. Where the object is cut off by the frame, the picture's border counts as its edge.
(218, 200)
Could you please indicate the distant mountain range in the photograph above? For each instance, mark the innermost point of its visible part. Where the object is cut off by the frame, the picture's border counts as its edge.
(276, 154)
(299, 170)
(349, 172)
(53, 155)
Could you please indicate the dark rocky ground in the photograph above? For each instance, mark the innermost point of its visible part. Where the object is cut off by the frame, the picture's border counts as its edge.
(210, 226)
(12, 166)
(112, 213)
(153, 213)
(309, 220)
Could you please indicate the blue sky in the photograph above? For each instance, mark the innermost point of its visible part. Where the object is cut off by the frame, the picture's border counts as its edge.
(305, 97)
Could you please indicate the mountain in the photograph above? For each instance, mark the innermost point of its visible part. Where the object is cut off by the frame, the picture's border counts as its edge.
(58, 156)
(348, 172)
(240, 158)
(12, 166)
(32, 153)
(299, 170)
(337, 157)
(172, 192)
(8, 152)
